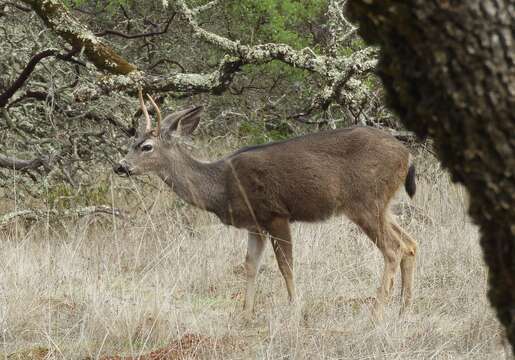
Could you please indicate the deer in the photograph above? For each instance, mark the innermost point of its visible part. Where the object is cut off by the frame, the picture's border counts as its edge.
(353, 171)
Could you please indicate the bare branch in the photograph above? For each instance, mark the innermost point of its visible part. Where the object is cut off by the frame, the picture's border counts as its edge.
(29, 94)
(18, 83)
(339, 27)
(335, 70)
(13, 163)
(136, 36)
(31, 65)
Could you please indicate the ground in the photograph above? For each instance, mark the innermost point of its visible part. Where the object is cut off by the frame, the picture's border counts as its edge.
(168, 284)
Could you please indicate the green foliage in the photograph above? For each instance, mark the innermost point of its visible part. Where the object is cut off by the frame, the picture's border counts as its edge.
(279, 21)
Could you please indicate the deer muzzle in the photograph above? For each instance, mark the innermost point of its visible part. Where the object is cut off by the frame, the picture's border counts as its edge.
(122, 168)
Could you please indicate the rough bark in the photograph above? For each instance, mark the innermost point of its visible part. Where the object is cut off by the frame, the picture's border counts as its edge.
(448, 67)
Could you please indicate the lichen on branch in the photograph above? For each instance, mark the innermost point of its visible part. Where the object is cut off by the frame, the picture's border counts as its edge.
(56, 16)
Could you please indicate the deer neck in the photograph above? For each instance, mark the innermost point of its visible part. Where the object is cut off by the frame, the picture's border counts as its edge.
(198, 183)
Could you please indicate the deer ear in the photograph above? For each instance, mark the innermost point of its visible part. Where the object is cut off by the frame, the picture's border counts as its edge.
(182, 122)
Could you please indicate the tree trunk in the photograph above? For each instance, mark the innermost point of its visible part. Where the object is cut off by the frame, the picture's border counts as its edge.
(448, 67)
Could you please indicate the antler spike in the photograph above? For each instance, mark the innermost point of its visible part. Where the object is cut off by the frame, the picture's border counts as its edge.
(148, 126)
(158, 112)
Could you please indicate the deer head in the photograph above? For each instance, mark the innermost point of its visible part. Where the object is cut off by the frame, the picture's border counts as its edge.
(154, 148)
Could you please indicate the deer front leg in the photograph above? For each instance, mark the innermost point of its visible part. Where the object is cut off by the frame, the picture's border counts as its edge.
(255, 246)
(279, 229)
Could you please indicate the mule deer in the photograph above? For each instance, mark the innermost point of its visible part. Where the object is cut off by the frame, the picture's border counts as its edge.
(354, 171)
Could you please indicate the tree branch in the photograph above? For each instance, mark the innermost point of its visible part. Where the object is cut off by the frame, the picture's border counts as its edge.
(204, 7)
(56, 17)
(215, 82)
(136, 36)
(336, 71)
(13, 163)
(305, 59)
(18, 83)
(31, 65)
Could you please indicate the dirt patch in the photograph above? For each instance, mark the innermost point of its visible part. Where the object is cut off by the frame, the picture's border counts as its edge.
(189, 346)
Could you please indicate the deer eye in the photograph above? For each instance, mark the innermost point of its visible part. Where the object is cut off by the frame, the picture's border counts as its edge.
(146, 148)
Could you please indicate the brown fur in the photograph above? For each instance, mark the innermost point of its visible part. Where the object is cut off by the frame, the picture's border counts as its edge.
(354, 171)
(314, 177)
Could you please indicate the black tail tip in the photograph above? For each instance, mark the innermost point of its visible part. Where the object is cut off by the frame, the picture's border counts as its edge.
(410, 184)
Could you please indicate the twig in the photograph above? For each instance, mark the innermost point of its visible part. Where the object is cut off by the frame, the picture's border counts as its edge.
(136, 36)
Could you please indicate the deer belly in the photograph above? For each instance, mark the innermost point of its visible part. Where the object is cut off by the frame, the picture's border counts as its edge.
(313, 210)
(247, 215)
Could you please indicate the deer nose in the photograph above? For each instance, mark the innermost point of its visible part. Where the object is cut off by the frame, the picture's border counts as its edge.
(121, 168)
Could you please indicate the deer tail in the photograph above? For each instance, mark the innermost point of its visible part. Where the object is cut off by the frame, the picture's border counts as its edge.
(409, 183)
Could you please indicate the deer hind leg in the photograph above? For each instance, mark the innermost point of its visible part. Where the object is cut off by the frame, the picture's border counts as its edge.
(391, 264)
(279, 230)
(255, 246)
(382, 234)
(408, 263)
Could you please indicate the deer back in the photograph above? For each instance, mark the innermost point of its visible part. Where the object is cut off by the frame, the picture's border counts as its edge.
(313, 177)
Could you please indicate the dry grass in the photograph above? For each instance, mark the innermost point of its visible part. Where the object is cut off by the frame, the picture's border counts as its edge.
(92, 289)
